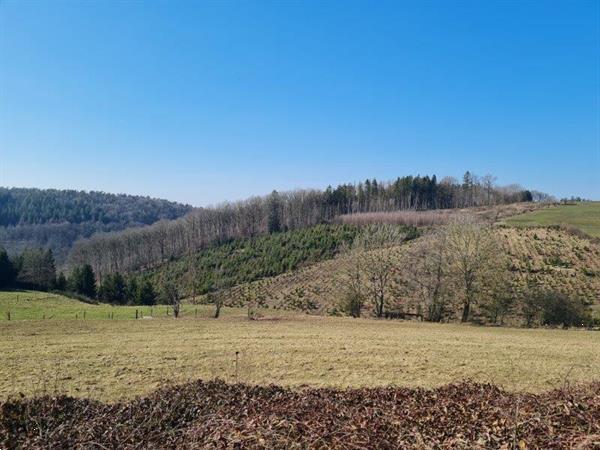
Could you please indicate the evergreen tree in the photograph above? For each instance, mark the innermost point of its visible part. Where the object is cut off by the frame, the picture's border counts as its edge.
(83, 281)
(73, 282)
(61, 282)
(131, 291)
(274, 219)
(146, 294)
(7, 271)
(113, 289)
(467, 186)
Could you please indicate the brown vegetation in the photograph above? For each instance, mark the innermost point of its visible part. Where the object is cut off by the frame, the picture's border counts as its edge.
(440, 216)
(219, 415)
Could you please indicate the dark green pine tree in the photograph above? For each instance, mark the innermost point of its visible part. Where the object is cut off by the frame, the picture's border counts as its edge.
(275, 207)
(7, 270)
(61, 282)
(131, 291)
(146, 293)
(37, 269)
(83, 281)
(113, 289)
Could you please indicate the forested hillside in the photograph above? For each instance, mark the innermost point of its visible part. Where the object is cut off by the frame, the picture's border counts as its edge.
(533, 260)
(249, 259)
(55, 219)
(142, 249)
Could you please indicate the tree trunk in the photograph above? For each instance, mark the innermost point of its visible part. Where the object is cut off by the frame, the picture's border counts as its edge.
(465, 313)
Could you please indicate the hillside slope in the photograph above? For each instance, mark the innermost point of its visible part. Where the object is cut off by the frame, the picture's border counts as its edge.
(245, 260)
(553, 257)
(55, 219)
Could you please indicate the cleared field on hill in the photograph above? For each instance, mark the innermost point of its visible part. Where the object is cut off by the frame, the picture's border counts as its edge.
(585, 216)
(112, 359)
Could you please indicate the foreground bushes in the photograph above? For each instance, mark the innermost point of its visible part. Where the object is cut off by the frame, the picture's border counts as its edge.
(219, 415)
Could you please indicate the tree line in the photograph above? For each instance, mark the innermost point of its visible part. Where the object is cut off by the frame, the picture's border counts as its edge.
(144, 248)
(35, 269)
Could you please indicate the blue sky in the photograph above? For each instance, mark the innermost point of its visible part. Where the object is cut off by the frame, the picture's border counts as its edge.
(202, 102)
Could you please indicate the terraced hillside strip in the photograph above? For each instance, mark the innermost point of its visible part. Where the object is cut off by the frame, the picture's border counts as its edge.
(584, 216)
(556, 259)
(219, 415)
(111, 360)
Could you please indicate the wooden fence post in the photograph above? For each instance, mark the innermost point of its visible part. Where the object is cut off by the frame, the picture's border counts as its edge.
(237, 355)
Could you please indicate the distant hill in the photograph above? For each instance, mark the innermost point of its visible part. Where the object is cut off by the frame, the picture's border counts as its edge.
(57, 218)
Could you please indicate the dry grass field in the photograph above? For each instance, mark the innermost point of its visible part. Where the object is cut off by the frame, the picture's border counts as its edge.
(115, 359)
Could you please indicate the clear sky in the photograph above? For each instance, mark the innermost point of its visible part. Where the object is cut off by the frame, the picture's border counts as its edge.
(208, 101)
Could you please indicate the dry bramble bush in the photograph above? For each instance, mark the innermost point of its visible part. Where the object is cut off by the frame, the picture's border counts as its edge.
(219, 415)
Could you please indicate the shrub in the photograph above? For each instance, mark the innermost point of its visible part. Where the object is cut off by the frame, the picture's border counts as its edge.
(559, 309)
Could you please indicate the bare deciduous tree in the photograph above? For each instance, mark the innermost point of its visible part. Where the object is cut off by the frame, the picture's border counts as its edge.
(377, 262)
(172, 297)
(427, 274)
(353, 287)
(473, 253)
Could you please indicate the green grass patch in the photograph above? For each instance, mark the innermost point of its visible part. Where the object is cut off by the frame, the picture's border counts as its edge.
(34, 305)
(584, 216)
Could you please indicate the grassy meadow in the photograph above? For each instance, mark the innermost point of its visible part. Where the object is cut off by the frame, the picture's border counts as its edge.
(585, 216)
(34, 305)
(117, 359)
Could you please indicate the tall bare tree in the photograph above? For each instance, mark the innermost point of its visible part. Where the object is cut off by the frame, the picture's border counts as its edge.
(427, 274)
(473, 253)
(374, 248)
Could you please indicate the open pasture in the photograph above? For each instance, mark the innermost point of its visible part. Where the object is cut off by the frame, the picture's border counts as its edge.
(35, 305)
(584, 216)
(116, 359)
